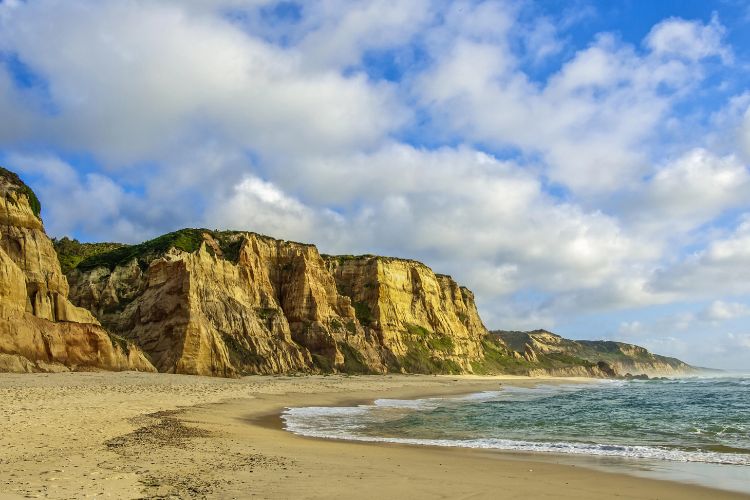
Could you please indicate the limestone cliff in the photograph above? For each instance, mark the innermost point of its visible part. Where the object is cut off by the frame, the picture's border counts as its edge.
(546, 353)
(40, 329)
(228, 303)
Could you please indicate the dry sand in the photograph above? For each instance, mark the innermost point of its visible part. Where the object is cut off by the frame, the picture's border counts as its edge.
(131, 435)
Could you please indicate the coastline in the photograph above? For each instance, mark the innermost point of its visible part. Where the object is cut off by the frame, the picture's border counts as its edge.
(131, 435)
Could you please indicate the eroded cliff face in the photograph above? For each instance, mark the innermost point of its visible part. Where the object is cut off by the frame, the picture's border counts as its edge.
(232, 303)
(40, 329)
(424, 320)
(598, 358)
(275, 306)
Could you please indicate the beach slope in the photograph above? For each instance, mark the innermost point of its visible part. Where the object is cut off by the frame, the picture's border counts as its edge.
(135, 435)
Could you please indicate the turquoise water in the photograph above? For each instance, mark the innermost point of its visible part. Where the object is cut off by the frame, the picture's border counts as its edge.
(690, 420)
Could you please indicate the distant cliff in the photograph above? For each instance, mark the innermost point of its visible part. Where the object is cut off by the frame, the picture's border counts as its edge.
(543, 352)
(40, 330)
(229, 303)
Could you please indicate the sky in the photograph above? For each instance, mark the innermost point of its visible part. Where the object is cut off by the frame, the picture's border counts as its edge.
(581, 166)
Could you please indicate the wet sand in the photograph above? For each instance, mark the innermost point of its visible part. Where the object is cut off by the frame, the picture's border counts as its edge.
(131, 435)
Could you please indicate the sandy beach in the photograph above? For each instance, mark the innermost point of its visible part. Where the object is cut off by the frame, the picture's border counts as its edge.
(131, 435)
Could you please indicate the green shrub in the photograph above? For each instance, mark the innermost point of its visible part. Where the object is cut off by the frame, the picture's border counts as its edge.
(187, 240)
(497, 359)
(419, 359)
(71, 252)
(363, 313)
(266, 313)
(241, 355)
(354, 362)
(418, 331)
(322, 363)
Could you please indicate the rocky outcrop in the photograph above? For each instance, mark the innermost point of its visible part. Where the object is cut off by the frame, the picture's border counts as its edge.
(598, 358)
(423, 319)
(230, 303)
(40, 329)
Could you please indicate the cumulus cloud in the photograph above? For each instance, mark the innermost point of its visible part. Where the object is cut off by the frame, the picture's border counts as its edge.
(723, 267)
(486, 220)
(630, 329)
(91, 203)
(266, 209)
(719, 310)
(590, 121)
(110, 66)
(687, 192)
(689, 39)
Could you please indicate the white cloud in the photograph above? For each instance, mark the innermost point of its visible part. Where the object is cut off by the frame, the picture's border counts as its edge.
(591, 121)
(744, 133)
(686, 193)
(341, 31)
(72, 202)
(722, 268)
(264, 208)
(542, 40)
(110, 66)
(728, 350)
(630, 329)
(719, 310)
(690, 39)
(460, 205)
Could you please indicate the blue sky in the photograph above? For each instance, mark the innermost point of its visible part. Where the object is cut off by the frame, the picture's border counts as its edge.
(582, 166)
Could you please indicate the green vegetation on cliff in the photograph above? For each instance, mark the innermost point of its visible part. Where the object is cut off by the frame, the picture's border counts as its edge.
(586, 351)
(187, 240)
(70, 253)
(17, 185)
(420, 358)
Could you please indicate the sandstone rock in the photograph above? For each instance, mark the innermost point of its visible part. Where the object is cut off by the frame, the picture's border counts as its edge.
(278, 306)
(40, 329)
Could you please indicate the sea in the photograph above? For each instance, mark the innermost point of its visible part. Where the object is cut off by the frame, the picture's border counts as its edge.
(694, 429)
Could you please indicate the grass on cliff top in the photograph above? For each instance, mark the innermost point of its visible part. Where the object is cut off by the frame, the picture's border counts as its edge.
(71, 252)
(366, 257)
(18, 186)
(187, 240)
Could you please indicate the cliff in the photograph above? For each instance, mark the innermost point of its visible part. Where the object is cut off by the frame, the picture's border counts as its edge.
(230, 303)
(40, 329)
(540, 351)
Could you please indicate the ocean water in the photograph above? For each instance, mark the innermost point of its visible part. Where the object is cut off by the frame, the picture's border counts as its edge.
(689, 428)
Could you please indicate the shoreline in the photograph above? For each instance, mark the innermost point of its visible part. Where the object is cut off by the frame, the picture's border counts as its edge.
(127, 435)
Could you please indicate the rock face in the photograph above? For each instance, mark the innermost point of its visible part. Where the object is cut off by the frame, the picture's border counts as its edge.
(230, 303)
(40, 329)
(598, 358)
